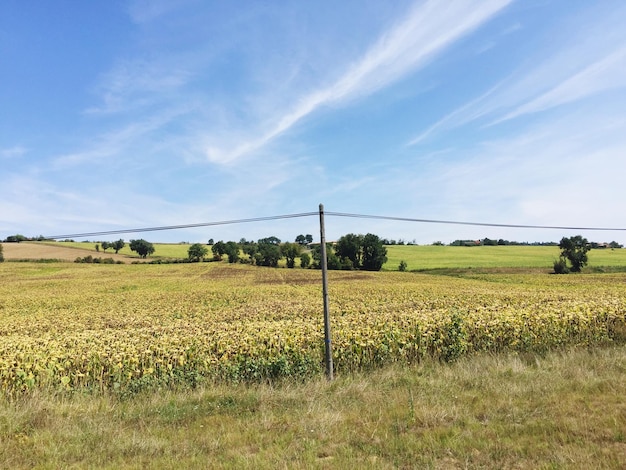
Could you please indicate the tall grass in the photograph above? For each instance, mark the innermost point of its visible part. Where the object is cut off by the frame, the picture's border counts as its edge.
(561, 410)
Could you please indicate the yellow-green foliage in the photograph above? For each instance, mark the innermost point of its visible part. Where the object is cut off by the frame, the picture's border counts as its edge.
(126, 327)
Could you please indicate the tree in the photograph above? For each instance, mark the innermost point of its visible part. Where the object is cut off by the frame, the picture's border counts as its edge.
(291, 251)
(305, 260)
(374, 253)
(270, 240)
(348, 249)
(231, 249)
(16, 238)
(575, 250)
(197, 252)
(1, 254)
(219, 249)
(250, 249)
(105, 246)
(304, 239)
(118, 245)
(332, 260)
(268, 253)
(142, 247)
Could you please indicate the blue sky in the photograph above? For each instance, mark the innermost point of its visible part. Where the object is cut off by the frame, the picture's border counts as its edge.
(124, 114)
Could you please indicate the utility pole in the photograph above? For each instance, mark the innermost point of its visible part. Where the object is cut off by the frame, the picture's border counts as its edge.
(328, 351)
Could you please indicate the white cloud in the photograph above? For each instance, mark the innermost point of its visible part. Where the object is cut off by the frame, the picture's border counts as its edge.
(571, 67)
(16, 151)
(605, 74)
(428, 29)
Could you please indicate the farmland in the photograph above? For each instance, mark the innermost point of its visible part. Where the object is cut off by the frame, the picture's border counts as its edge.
(211, 364)
(418, 258)
(128, 327)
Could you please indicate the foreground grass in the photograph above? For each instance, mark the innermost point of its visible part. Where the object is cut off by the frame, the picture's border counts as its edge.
(562, 410)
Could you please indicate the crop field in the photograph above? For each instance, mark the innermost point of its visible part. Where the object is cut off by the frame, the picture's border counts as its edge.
(126, 328)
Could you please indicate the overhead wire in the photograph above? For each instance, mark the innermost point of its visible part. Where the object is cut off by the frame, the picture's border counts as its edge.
(178, 227)
(480, 224)
(328, 213)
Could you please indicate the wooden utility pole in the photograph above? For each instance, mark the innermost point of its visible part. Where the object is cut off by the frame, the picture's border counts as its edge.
(328, 351)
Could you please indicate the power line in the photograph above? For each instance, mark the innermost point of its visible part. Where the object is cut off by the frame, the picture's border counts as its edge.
(329, 213)
(480, 224)
(178, 227)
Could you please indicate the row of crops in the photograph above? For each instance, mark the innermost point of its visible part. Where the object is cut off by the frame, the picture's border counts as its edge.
(131, 327)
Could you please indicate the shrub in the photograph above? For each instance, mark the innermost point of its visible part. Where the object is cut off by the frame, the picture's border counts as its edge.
(402, 267)
(305, 260)
(560, 266)
(1, 254)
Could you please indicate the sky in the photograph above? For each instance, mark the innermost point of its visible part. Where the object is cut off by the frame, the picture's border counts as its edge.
(130, 114)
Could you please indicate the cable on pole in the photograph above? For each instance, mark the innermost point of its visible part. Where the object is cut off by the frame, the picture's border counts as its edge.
(178, 227)
(480, 224)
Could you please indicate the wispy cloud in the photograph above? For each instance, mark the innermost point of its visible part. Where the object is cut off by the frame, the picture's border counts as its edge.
(604, 74)
(428, 29)
(139, 83)
(572, 67)
(13, 152)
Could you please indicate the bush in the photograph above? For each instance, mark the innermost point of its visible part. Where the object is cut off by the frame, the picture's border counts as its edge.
(402, 267)
(1, 254)
(305, 260)
(560, 266)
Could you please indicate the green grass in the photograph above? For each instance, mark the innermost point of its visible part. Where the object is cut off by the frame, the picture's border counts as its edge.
(460, 257)
(425, 257)
(563, 410)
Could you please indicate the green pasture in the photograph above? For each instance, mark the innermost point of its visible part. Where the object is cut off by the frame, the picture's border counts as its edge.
(424, 257)
(463, 257)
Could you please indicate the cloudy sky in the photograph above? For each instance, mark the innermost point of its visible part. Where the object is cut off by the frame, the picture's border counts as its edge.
(125, 114)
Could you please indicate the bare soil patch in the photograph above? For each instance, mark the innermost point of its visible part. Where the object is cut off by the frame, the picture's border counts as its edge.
(37, 251)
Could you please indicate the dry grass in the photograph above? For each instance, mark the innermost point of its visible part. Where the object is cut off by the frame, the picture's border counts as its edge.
(563, 410)
(37, 251)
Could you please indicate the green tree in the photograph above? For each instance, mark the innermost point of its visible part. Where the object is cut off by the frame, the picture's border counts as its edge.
(348, 249)
(304, 239)
(1, 253)
(332, 260)
(16, 238)
(250, 249)
(268, 253)
(118, 245)
(305, 260)
(105, 246)
(197, 252)
(231, 249)
(291, 251)
(219, 249)
(575, 249)
(142, 247)
(374, 253)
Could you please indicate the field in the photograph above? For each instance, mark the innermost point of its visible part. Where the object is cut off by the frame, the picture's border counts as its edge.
(165, 350)
(418, 258)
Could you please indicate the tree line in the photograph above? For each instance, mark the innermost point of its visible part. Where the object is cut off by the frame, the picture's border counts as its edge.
(351, 251)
